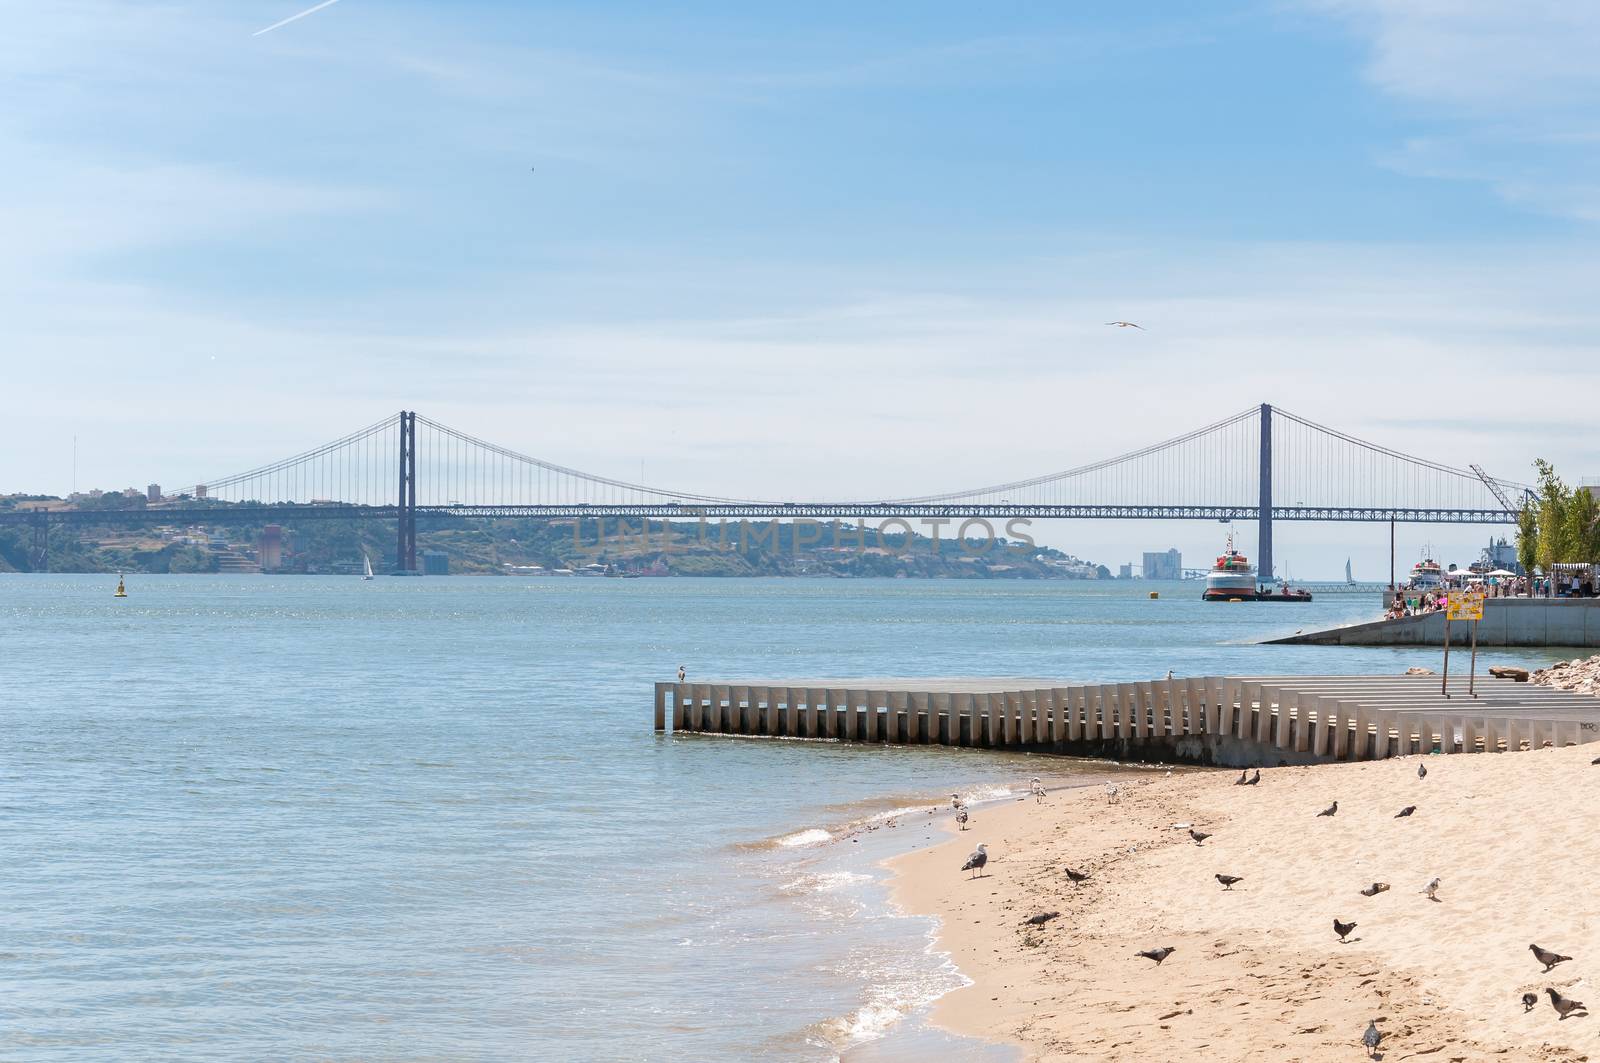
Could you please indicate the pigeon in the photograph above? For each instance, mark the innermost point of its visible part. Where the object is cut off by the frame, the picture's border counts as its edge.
(1422, 770)
(1528, 1001)
(1596, 760)
(1198, 836)
(1158, 954)
(1332, 809)
(1375, 889)
(1372, 1037)
(1254, 778)
(975, 862)
(1228, 880)
(1076, 877)
(1041, 919)
(1342, 929)
(1565, 1005)
(1404, 812)
(961, 819)
(1243, 779)
(1431, 888)
(1546, 957)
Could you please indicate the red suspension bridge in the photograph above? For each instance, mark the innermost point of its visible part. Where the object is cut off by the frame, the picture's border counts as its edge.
(1263, 464)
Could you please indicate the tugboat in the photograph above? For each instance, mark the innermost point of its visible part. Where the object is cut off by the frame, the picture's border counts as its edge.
(1232, 578)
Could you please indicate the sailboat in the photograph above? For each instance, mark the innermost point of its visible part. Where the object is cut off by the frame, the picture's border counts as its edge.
(366, 563)
(1349, 580)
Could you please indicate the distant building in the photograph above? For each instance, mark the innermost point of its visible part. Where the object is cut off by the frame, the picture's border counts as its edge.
(435, 563)
(1126, 571)
(269, 548)
(1168, 565)
(153, 493)
(200, 491)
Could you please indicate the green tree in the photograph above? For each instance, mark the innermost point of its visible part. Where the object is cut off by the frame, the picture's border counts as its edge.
(1528, 537)
(1555, 525)
(1583, 526)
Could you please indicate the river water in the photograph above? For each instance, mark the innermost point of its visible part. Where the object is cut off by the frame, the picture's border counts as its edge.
(427, 819)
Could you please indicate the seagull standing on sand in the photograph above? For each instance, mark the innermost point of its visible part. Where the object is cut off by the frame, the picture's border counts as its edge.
(956, 802)
(1037, 790)
(975, 862)
(1431, 889)
(961, 819)
(1113, 795)
(1372, 1037)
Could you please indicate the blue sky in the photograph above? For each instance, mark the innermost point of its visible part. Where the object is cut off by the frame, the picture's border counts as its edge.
(756, 240)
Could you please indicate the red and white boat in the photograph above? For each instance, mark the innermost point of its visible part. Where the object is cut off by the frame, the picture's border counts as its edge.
(1232, 578)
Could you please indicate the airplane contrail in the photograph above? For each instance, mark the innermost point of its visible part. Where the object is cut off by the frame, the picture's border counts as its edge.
(292, 18)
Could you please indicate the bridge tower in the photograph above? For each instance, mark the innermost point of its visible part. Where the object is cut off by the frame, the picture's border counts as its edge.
(405, 552)
(1264, 517)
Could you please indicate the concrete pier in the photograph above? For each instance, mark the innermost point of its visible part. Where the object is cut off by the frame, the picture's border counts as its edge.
(1225, 720)
(1506, 622)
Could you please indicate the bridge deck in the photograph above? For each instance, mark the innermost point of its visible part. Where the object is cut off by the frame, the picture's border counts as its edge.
(1215, 719)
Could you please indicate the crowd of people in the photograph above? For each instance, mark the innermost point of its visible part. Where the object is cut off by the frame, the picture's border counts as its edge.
(1580, 582)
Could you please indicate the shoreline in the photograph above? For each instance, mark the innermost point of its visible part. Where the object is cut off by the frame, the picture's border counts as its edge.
(1258, 972)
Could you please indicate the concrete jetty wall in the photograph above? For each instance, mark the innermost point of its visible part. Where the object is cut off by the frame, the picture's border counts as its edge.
(1573, 622)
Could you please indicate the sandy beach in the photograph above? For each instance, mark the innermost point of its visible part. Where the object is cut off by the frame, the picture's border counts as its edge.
(1258, 973)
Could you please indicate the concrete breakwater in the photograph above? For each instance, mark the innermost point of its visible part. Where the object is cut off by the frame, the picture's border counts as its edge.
(1506, 622)
(1224, 720)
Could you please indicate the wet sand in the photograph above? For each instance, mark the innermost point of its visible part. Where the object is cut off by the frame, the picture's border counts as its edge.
(1258, 972)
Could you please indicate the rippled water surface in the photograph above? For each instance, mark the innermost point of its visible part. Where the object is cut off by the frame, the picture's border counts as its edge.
(427, 819)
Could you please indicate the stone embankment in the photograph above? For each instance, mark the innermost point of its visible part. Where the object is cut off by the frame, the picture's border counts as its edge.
(1581, 674)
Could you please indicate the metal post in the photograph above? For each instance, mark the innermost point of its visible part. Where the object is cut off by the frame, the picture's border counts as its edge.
(1472, 676)
(1392, 585)
(1264, 517)
(1444, 681)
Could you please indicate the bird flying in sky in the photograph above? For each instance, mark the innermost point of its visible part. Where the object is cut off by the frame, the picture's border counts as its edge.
(1119, 324)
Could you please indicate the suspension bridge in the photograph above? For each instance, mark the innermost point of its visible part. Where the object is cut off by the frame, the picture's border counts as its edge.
(1263, 464)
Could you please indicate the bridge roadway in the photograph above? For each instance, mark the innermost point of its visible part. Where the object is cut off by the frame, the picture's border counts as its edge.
(253, 513)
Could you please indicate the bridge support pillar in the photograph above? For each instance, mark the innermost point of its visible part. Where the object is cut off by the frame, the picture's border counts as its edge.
(1264, 518)
(41, 541)
(405, 553)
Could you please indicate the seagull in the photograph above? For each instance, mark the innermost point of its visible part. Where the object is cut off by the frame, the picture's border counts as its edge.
(1565, 1005)
(1041, 919)
(1075, 877)
(1125, 324)
(1331, 810)
(1528, 1001)
(1198, 836)
(1375, 889)
(1112, 794)
(294, 18)
(955, 801)
(1037, 789)
(1228, 881)
(1254, 778)
(1431, 888)
(1422, 770)
(961, 819)
(975, 862)
(1158, 954)
(1372, 1037)
(1404, 812)
(1342, 929)
(1548, 958)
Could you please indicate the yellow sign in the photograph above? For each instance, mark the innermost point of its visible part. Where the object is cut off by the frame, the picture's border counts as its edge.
(1465, 605)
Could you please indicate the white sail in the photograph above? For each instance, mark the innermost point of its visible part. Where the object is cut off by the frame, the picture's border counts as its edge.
(367, 564)
(1347, 577)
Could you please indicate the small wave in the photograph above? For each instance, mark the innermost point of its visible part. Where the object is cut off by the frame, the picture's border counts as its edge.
(809, 836)
(823, 882)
